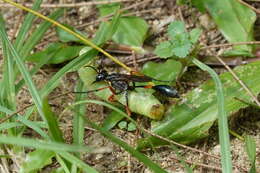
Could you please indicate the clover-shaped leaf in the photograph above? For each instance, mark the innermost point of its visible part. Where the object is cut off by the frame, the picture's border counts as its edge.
(176, 28)
(164, 50)
(180, 43)
(194, 35)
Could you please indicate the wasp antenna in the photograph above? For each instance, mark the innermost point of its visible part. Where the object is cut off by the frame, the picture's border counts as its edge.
(92, 68)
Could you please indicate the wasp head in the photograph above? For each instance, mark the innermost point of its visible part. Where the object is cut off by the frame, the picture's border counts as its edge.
(101, 76)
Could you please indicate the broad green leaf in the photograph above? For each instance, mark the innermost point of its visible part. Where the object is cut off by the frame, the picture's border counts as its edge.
(234, 20)
(194, 35)
(107, 9)
(106, 30)
(181, 45)
(176, 28)
(180, 42)
(251, 152)
(111, 120)
(131, 31)
(189, 121)
(57, 53)
(198, 4)
(164, 50)
(122, 125)
(36, 160)
(167, 71)
(64, 36)
(131, 127)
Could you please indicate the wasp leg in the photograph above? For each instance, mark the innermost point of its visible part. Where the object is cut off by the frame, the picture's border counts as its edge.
(112, 97)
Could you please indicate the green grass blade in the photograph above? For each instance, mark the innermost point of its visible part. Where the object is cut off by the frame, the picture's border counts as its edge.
(142, 158)
(35, 69)
(23, 70)
(222, 118)
(55, 80)
(251, 152)
(45, 114)
(52, 122)
(7, 95)
(26, 25)
(6, 125)
(62, 163)
(38, 34)
(45, 145)
(33, 126)
(78, 121)
(74, 160)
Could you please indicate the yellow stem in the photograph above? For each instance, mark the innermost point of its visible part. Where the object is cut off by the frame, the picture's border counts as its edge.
(86, 41)
(236, 135)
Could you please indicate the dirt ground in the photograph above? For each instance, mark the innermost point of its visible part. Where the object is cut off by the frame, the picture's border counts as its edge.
(158, 13)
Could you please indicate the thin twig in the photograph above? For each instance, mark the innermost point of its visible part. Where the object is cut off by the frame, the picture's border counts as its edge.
(198, 164)
(247, 103)
(250, 93)
(231, 44)
(187, 147)
(29, 105)
(11, 115)
(134, 60)
(70, 5)
(249, 6)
